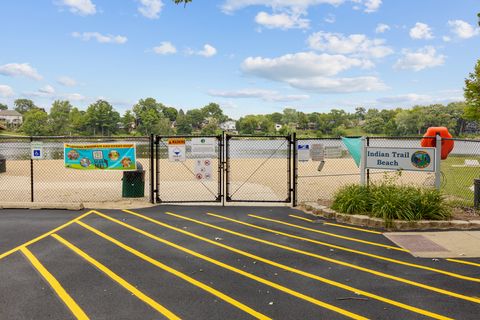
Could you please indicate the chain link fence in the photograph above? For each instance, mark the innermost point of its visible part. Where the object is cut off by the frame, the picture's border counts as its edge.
(48, 180)
(194, 178)
(258, 168)
(320, 180)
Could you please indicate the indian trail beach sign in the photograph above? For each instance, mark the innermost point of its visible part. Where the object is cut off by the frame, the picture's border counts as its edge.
(407, 159)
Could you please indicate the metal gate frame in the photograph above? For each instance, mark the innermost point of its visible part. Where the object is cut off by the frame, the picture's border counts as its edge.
(156, 191)
(290, 188)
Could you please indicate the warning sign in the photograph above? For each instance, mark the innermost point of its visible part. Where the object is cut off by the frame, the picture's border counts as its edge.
(176, 149)
(203, 169)
(176, 141)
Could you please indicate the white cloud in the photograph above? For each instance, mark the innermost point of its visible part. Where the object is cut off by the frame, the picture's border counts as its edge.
(356, 44)
(208, 51)
(302, 64)
(48, 89)
(80, 7)
(101, 38)
(421, 31)
(67, 81)
(330, 18)
(20, 69)
(463, 29)
(74, 97)
(446, 39)
(281, 21)
(423, 58)
(165, 48)
(266, 95)
(382, 27)
(372, 5)
(150, 8)
(6, 91)
(339, 85)
(410, 99)
(230, 6)
(312, 71)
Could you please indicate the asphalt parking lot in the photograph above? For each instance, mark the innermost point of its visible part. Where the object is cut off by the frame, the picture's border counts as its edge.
(175, 262)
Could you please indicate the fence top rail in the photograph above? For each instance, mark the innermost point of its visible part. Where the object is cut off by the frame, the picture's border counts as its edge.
(188, 136)
(256, 136)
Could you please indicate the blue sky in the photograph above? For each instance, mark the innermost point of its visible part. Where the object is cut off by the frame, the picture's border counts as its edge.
(250, 56)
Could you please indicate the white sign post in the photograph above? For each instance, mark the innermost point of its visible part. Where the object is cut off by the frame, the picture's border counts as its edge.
(37, 150)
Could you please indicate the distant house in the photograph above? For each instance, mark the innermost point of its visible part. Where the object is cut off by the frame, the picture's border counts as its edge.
(229, 126)
(472, 127)
(11, 117)
(278, 127)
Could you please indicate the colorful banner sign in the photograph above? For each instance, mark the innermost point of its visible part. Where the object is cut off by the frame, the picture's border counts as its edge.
(121, 156)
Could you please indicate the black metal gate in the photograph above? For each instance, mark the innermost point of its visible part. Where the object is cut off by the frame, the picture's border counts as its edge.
(189, 169)
(258, 168)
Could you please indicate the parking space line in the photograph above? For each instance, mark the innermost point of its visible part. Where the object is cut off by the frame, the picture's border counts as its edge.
(55, 285)
(464, 262)
(233, 269)
(297, 271)
(177, 273)
(413, 265)
(140, 295)
(346, 264)
(328, 233)
(5, 254)
(336, 225)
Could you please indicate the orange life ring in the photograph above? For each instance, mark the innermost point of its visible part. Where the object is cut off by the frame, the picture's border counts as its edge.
(447, 144)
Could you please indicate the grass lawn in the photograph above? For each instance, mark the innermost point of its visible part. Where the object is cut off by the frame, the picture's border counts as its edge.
(457, 181)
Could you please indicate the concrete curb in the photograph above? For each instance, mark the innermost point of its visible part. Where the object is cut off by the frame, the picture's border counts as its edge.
(397, 225)
(40, 205)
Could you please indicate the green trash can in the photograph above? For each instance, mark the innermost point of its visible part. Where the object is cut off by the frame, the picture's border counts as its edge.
(133, 183)
(3, 164)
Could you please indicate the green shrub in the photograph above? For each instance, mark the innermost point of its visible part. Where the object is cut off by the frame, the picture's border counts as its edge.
(353, 199)
(392, 202)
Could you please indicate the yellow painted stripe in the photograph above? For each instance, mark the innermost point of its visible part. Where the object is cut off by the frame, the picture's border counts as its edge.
(5, 254)
(301, 218)
(56, 286)
(233, 269)
(465, 262)
(337, 225)
(413, 265)
(140, 295)
(294, 270)
(328, 233)
(177, 273)
(310, 254)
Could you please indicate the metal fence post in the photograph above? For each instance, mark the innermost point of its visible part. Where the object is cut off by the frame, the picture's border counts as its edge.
(152, 168)
(31, 174)
(438, 160)
(363, 162)
(157, 169)
(295, 169)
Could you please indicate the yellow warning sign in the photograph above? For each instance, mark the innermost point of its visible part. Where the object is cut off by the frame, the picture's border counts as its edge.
(176, 141)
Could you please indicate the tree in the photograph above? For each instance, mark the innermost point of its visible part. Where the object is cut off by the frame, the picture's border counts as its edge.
(276, 117)
(182, 1)
(289, 116)
(184, 125)
(196, 118)
(148, 112)
(248, 124)
(472, 94)
(3, 106)
(35, 123)
(128, 121)
(24, 105)
(59, 116)
(374, 125)
(101, 118)
(213, 110)
(78, 122)
(170, 113)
